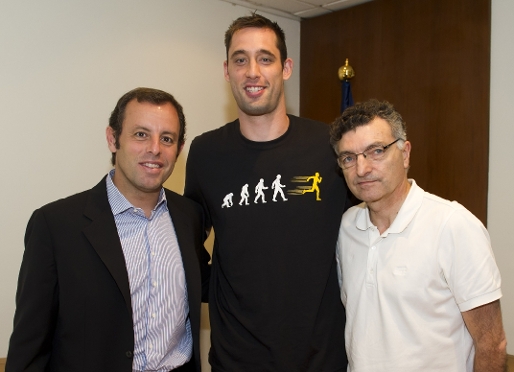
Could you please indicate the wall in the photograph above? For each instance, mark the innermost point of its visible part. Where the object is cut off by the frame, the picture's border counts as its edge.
(63, 66)
(501, 168)
(431, 60)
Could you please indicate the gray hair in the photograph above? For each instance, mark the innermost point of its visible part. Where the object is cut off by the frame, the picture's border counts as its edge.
(363, 113)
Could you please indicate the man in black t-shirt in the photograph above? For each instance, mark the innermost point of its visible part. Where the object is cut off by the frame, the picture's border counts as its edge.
(270, 187)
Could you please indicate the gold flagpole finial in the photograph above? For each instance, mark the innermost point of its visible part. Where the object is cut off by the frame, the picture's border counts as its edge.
(346, 72)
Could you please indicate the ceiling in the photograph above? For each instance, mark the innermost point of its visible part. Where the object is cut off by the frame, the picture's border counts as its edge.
(297, 9)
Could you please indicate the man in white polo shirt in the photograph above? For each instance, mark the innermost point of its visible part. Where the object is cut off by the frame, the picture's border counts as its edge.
(418, 276)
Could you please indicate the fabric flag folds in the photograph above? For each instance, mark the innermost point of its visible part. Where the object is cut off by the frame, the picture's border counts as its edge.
(346, 95)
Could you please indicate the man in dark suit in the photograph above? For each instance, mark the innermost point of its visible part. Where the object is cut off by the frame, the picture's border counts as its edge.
(102, 285)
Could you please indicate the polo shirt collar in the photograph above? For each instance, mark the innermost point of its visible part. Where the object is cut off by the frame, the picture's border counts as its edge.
(409, 208)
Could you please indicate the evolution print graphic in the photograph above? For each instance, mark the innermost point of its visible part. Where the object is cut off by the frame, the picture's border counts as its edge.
(311, 185)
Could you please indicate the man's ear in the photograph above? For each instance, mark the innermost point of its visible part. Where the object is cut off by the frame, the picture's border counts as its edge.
(287, 71)
(406, 154)
(180, 149)
(111, 141)
(225, 70)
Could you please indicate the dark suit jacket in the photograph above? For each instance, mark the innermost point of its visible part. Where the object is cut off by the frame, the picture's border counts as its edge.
(73, 307)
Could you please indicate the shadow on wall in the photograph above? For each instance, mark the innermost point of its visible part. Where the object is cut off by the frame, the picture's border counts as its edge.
(178, 177)
(205, 328)
(230, 107)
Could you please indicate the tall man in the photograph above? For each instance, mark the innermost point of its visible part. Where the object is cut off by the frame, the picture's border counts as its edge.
(102, 285)
(418, 276)
(274, 298)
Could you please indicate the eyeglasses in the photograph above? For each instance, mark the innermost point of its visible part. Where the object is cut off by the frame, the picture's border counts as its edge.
(374, 153)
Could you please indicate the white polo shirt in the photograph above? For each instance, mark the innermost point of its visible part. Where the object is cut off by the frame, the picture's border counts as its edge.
(404, 290)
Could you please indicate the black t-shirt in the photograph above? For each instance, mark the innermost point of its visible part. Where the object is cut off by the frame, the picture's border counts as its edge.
(276, 209)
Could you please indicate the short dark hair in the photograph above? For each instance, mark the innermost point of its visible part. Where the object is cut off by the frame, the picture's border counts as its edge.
(257, 21)
(362, 114)
(150, 95)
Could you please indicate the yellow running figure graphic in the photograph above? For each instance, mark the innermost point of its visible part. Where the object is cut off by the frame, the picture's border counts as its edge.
(315, 180)
(300, 190)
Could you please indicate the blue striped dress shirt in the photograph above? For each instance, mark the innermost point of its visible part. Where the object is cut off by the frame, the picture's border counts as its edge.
(162, 331)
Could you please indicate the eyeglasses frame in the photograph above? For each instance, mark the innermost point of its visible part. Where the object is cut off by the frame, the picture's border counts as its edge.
(384, 148)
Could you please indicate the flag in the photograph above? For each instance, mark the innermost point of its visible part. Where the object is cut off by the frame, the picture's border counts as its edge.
(346, 94)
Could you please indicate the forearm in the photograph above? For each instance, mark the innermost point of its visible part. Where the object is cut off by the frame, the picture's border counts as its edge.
(491, 359)
(486, 327)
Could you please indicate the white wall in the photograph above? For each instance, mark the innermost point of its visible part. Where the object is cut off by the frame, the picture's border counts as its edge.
(501, 161)
(63, 66)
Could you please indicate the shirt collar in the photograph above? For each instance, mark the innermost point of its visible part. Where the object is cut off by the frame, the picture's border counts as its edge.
(119, 202)
(408, 210)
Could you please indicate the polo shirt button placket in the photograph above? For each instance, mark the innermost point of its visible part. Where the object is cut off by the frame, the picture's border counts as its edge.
(371, 265)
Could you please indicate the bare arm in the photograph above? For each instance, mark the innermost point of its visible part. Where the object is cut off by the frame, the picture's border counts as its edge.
(485, 326)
